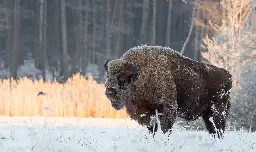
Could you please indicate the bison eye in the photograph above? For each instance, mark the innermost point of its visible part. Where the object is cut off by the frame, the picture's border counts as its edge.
(126, 79)
(122, 79)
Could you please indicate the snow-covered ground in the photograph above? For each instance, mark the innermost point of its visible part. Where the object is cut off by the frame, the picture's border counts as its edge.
(37, 134)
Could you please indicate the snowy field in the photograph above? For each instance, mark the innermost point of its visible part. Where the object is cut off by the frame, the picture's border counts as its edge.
(37, 134)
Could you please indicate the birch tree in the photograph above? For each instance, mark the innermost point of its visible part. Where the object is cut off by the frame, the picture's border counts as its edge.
(144, 21)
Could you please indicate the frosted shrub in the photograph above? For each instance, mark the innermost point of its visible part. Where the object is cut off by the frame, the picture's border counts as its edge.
(230, 49)
(244, 99)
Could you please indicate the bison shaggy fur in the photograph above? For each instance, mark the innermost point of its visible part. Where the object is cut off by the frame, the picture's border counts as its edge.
(149, 78)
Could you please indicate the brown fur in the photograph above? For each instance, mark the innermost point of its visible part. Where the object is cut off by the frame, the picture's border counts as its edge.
(146, 78)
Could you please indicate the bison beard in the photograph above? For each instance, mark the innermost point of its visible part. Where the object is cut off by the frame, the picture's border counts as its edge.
(149, 78)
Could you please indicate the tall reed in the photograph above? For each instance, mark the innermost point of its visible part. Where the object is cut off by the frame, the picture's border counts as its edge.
(78, 97)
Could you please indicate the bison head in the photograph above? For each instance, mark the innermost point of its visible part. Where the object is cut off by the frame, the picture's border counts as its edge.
(121, 81)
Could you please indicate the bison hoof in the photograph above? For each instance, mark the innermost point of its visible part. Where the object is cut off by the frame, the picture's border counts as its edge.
(218, 134)
(152, 129)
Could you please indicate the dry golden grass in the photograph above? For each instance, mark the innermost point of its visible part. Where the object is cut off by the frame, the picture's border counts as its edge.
(78, 97)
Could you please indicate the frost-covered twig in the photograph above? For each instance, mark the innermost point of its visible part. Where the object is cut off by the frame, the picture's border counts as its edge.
(1, 145)
(42, 139)
(12, 132)
(184, 1)
(158, 120)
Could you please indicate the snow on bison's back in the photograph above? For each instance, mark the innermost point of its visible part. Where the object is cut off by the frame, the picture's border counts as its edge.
(147, 78)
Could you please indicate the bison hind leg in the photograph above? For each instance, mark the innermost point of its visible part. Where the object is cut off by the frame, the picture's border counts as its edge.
(215, 123)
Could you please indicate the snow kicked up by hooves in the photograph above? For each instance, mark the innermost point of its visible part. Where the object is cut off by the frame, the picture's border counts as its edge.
(110, 135)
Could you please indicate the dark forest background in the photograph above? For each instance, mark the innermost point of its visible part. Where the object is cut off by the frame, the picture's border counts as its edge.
(63, 37)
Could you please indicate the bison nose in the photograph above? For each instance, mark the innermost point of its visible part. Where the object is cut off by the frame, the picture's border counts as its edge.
(111, 92)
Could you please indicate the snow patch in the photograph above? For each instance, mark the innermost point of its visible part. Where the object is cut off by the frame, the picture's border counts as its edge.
(81, 137)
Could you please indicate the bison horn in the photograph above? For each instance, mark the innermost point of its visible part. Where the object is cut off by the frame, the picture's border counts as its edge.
(106, 65)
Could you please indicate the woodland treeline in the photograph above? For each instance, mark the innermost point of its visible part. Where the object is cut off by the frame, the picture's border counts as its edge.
(64, 36)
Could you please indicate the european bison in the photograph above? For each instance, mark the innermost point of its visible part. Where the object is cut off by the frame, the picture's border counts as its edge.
(147, 78)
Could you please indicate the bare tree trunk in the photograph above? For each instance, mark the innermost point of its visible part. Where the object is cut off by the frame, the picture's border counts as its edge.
(169, 25)
(144, 21)
(201, 36)
(45, 40)
(113, 22)
(64, 38)
(129, 21)
(53, 36)
(9, 44)
(94, 32)
(36, 54)
(79, 55)
(78, 20)
(161, 18)
(197, 42)
(41, 21)
(190, 29)
(101, 56)
(85, 40)
(14, 68)
(43, 37)
(77, 15)
(44, 63)
(153, 36)
(108, 31)
(119, 37)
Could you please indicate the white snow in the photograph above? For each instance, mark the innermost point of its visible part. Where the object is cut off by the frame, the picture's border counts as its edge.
(254, 3)
(28, 69)
(29, 134)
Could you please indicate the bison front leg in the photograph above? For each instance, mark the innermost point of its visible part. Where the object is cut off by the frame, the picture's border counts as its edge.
(168, 118)
(165, 99)
(163, 120)
(169, 106)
